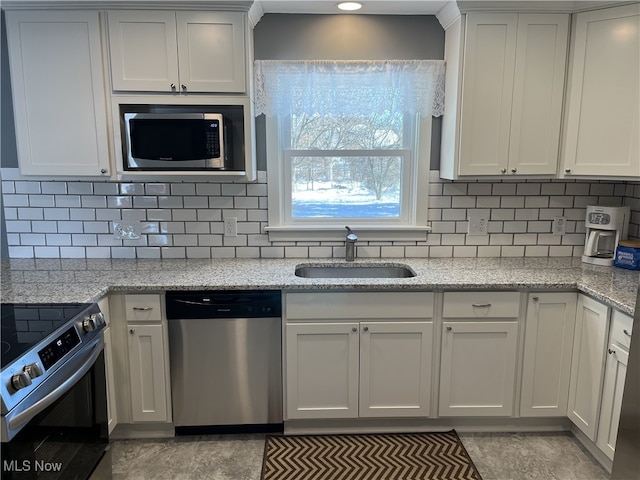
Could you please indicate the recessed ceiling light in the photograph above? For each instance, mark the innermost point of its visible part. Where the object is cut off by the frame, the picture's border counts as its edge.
(349, 6)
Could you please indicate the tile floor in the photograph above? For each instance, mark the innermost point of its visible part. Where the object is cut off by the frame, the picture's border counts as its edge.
(557, 456)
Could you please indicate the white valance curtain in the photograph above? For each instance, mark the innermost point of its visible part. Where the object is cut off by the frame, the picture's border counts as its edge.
(349, 87)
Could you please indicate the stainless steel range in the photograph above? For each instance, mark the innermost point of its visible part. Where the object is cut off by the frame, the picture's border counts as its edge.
(53, 390)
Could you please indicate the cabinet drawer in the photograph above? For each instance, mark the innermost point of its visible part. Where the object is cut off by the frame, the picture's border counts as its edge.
(359, 305)
(621, 326)
(143, 308)
(481, 305)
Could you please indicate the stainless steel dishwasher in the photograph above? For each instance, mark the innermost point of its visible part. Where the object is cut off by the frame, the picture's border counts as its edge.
(225, 360)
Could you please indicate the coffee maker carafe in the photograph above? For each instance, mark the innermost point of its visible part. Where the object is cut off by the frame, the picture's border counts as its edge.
(606, 226)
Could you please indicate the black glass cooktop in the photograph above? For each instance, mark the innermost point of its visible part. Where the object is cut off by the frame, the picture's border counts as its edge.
(26, 325)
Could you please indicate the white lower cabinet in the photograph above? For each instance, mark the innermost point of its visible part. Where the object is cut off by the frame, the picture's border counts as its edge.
(395, 369)
(614, 380)
(140, 359)
(548, 342)
(587, 364)
(478, 368)
(148, 374)
(342, 366)
(478, 354)
(322, 370)
(614, 376)
(112, 411)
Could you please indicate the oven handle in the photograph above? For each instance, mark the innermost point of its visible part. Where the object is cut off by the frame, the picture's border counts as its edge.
(63, 388)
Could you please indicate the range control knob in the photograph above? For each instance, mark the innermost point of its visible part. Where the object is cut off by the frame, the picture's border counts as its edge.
(99, 318)
(33, 370)
(20, 380)
(89, 324)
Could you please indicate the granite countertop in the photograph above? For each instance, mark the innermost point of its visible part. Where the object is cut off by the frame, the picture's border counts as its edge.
(87, 280)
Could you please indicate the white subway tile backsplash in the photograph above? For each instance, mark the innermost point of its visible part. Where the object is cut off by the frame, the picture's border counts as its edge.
(131, 189)
(46, 252)
(68, 201)
(16, 200)
(42, 201)
(536, 251)
(27, 187)
(184, 219)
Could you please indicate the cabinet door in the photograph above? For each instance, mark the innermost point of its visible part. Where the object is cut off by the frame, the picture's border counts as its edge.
(112, 413)
(144, 50)
(59, 99)
(322, 370)
(478, 366)
(148, 373)
(395, 369)
(489, 60)
(211, 51)
(603, 125)
(541, 58)
(587, 364)
(548, 341)
(614, 377)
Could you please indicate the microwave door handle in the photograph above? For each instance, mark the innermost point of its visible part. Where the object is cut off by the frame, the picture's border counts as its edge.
(49, 399)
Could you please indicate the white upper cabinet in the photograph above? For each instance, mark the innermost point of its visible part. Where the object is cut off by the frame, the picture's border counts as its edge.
(165, 51)
(505, 108)
(602, 127)
(59, 98)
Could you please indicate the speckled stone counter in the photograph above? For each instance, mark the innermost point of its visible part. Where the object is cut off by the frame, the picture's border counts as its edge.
(86, 280)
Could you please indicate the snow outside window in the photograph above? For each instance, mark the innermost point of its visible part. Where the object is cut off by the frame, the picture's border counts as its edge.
(348, 144)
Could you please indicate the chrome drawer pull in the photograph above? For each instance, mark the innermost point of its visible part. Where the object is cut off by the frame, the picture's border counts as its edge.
(480, 305)
(143, 309)
(626, 332)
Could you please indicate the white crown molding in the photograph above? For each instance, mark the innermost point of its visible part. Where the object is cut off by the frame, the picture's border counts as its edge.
(448, 14)
(255, 13)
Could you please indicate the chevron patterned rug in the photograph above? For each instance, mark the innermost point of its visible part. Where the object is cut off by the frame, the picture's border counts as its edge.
(410, 456)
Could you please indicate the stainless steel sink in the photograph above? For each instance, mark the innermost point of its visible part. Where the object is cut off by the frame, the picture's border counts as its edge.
(361, 270)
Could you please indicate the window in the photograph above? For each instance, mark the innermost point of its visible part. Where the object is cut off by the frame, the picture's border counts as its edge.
(348, 143)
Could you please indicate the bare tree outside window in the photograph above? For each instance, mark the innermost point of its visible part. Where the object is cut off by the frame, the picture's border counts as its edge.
(363, 181)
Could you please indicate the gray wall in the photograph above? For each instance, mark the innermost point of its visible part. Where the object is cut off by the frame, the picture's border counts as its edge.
(348, 37)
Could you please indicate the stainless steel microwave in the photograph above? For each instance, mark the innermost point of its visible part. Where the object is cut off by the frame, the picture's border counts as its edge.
(181, 141)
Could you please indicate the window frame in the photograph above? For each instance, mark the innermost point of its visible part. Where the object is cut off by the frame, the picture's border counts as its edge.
(414, 228)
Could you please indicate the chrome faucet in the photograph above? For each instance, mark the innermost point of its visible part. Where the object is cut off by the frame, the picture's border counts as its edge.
(350, 245)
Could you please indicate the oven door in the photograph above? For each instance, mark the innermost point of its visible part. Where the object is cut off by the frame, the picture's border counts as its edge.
(62, 433)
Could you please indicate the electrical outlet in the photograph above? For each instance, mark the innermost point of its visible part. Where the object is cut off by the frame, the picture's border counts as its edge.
(231, 227)
(559, 225)
(478, 225)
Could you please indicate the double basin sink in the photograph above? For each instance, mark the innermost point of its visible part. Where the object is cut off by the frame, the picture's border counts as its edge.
(358, 270)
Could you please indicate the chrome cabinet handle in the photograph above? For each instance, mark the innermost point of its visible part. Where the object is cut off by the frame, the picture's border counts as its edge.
(366, 329)
(504, 170)
(449, 329)
(103, 171)
(514, 170)
(143, 309)
(567, 170)
(354, 329)
(611, 352)
(535, 299)
(480, 305)
(626, 332)
(184, 87)
(132, 331)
